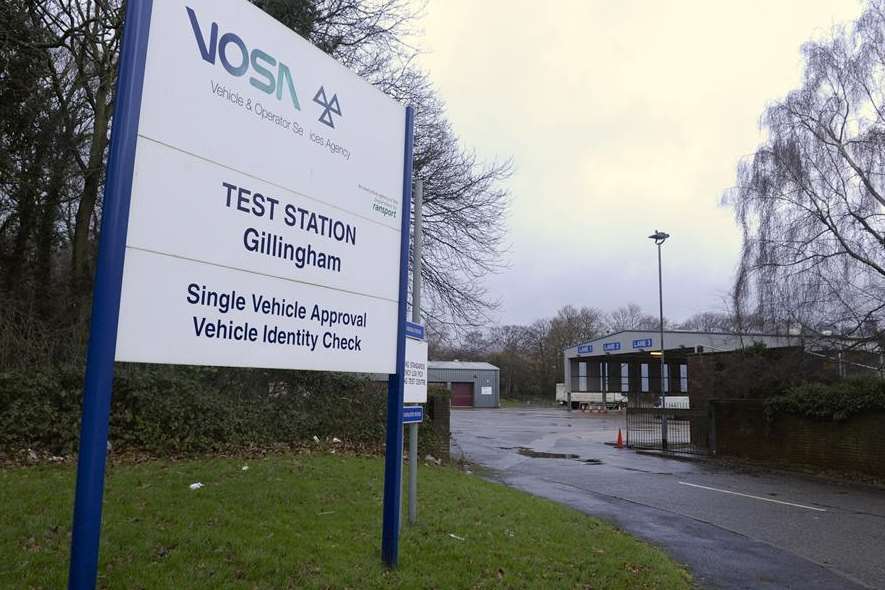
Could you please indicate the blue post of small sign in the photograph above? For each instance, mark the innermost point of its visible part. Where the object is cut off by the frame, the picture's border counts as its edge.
(393, 458)
(106, 300)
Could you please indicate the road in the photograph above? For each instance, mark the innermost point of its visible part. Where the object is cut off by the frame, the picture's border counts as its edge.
(734, 527)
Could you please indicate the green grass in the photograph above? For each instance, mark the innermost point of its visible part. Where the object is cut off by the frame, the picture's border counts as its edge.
(312, 522)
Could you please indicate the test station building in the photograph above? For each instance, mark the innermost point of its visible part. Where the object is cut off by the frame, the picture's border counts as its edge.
(473, 385)
(629, 361)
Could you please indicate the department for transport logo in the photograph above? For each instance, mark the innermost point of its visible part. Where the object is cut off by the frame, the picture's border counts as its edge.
(329, 107)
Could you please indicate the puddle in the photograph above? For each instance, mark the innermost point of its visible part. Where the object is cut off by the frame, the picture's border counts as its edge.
(527, 452)
(543, 455)
(637, 470)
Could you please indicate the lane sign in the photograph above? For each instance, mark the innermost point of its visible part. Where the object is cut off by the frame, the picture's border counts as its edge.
(610, 346)
(643, 343)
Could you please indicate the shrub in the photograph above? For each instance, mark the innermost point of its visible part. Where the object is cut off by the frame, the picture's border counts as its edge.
(434, 435)
(181, 410)
(830, 401)
(166, 410)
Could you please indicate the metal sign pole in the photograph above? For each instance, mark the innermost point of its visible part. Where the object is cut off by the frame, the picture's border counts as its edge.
(663, 362)
(416, 318)
(417, 249)
(413, 472)
(86, 530)
(393, 459)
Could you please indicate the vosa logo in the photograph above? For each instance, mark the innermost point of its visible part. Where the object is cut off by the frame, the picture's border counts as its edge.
(330, 105)
(268, 74)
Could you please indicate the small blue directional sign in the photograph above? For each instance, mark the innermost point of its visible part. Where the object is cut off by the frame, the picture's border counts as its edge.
(413, 414)
(415, 331)
(642, 343)
(610, 346)
(585, 349)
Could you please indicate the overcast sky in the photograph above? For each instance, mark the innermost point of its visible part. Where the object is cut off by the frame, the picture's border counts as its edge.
(622, 117)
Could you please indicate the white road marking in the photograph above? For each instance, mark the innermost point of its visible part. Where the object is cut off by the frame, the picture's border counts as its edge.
(694, 485)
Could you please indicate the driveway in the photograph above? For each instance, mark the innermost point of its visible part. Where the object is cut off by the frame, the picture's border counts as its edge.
(733, 527)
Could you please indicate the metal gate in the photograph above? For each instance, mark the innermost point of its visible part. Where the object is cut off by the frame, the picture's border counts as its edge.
(666, 424)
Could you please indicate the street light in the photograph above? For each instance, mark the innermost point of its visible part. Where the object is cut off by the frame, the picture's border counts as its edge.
(659, 238)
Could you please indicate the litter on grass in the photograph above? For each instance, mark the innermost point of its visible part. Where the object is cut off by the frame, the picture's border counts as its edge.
(196, 485)
(245, 468)
(457, 537)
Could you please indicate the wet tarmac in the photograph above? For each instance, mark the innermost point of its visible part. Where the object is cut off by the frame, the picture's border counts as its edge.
(733, 527)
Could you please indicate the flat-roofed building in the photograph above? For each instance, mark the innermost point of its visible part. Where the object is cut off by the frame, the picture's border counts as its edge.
(609, 367)
(473, 384)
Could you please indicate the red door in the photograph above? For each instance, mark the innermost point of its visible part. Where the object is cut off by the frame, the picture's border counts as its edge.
(462, 394)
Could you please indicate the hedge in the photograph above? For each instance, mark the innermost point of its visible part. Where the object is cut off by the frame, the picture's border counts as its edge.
(166, 410)
(830, 401)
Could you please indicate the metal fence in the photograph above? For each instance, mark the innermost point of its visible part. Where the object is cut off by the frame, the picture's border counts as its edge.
(666, 423)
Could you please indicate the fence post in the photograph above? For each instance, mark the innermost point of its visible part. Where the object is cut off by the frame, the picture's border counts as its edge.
(713, 417)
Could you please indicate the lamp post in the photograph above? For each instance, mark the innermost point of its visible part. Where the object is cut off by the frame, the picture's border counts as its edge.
(659, 238)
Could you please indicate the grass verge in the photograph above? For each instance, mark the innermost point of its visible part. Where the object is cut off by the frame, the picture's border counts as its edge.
(302, 521)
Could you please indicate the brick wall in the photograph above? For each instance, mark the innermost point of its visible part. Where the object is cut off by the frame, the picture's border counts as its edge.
(857, 444)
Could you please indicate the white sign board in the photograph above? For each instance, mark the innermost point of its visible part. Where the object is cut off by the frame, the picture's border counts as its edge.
(416, 372)
(485, 390)
(264, 228)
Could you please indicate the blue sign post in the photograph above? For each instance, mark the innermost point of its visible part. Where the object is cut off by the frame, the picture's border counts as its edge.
(393, 457)
(106, 301)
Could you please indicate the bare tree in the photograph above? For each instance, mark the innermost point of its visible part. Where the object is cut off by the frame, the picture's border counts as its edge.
(810, 200)
(58, 61)
(513, 354)
(39, 181)
(709, 321)
(82, 49)
(631, 317)
(465, 202)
